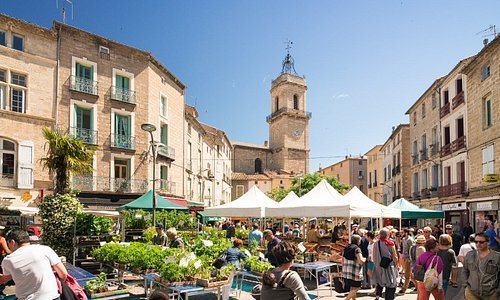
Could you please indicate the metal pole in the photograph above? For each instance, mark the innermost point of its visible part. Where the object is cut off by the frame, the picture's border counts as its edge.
(154, 178)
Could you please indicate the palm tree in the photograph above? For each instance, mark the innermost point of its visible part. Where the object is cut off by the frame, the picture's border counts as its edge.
(66, 154)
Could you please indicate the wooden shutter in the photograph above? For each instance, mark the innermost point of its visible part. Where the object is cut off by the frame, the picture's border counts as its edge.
(25, 165)
(164, 134)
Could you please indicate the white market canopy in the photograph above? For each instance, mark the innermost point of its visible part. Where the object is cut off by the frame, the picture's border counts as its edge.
(322, 201)
(25, 210)
(363, 207)
(289, 199)
(253, 204)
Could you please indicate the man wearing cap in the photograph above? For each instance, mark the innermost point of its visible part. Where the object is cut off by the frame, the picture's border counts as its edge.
(271, 242)
(160, 237)
(455, 237)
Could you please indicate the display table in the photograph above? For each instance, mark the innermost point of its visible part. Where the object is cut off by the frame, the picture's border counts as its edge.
(243, 275)
(81, 275)
(316, 270)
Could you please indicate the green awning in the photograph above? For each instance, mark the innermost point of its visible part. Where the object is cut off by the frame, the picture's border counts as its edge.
(209, 218)
(411, 211)
(145, 202)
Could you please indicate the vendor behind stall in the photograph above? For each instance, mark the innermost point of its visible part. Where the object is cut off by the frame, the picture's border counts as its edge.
(313, 235)
(176, 241)
(160, 238)
(271, 242)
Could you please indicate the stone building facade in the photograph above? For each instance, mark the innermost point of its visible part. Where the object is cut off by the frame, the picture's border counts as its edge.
(105, 95)
(286, 155)
(351, 171)
(375, 171)
(425, 136)
(483, 127)
(28, 72)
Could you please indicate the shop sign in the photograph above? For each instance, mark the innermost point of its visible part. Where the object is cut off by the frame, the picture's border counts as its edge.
(26, 196)
(485, 206)
(454, 206)
(491, 178)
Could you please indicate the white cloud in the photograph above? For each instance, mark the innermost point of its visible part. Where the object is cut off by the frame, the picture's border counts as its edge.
(341, 96)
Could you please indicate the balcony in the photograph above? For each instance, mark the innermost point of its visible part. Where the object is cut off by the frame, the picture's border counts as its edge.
(290, 111)
(108, 184)
(414, 159)
(458, 144)
(434, 149)
(415, 195)
(167, 186)
(425, 193)
(83, 85)
(122, 95)
(446, 149)
(423, 155)
(88, 136)
(458, 188)
(166, 151)
(457, 100)
(445, 109)
(7, 180)
(122, 141)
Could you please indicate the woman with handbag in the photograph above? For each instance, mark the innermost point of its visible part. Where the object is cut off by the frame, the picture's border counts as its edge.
(352, 267)
(385, 272)
(428, 272)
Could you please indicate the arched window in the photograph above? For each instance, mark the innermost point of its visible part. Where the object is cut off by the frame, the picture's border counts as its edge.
(277, 103)
(295, 102)
(258, 166)
(8, 162)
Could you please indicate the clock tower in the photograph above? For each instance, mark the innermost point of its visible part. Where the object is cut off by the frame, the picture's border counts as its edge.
(289, 120)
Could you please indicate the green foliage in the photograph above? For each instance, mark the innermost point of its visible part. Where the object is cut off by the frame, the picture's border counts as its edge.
(148, 234)
(89, 224)
(98, 284)
(307, 183)
(173, 272)
(254, 263)
(58, 214)
(242, 234)
(66, 154)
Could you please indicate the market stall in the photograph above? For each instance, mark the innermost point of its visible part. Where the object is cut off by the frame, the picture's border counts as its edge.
(411, 211)
(145, 202)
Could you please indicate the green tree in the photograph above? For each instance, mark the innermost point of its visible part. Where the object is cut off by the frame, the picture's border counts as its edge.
(66, 154)
(302, 186)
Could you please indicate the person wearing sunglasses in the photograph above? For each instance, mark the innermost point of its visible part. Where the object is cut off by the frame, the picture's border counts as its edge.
(481, 271)
(427, 233)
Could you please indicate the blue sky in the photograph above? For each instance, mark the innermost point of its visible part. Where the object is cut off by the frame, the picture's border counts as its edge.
(365, 62)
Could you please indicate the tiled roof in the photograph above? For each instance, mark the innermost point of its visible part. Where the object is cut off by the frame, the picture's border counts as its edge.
(243, 176)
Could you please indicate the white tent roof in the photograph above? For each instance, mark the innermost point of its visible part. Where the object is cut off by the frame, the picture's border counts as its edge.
(252, 204)
(289, 199)
(322, 201)
(102, 213)
(25, 210)
(363, 207)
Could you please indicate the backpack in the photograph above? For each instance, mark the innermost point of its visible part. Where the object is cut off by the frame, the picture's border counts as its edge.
(413, 254)
(256, 290)
(431, 277)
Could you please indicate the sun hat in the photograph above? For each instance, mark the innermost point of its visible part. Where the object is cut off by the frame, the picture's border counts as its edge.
(420, 239)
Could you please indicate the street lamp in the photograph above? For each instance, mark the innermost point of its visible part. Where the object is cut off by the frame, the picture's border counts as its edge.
(150, 128)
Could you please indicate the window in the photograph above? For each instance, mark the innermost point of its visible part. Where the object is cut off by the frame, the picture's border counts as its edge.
(164, 178)
(7, 161)
(360, 174)
(415, 118)
(104, 52)
(423, 110)
(389, 174)
(295, 102)
(446, 96)
(240, 190)
(485, 71)
(424, 178)
(258, 166)
(17, 100)
(459, 86)
(2, 38)
(360, 162)
(435, 176)
(164, 134)
(123, 135)
(415, 182)
(3, 100)
(164, 106)
(488, 121)
(375, 177)
(18, 79)
(18, 42)
(488, 160)
(83, 127)
(277, 103)
(361, 187)
(189, 129)
(121, 167)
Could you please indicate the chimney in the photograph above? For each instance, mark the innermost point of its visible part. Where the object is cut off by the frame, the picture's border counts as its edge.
(485, 42)
(393, 128)
(266, 143)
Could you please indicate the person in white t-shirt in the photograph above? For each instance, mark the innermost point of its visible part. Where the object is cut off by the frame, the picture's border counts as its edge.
(466, 248)
(31, 267)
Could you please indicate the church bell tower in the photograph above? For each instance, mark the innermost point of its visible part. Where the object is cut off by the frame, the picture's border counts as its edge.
(289, 120)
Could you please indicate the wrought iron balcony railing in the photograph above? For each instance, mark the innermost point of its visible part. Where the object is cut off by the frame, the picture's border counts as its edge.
(108, 184)
(166, 151)
(167, 186)
(458, 188)
(414, 158)
(423, 154)
(445, 109)
(297, 112)
(83, 85)
(425, 193)
(458, 144)
(122, 141)
(434, 149)
(446, 149)
(123, 95)
(88, 136)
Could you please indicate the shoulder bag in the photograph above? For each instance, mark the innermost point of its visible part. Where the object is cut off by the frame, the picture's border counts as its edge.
(385, 262)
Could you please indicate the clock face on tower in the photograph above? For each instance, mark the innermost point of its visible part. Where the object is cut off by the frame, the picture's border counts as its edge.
(296, 133)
